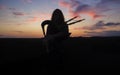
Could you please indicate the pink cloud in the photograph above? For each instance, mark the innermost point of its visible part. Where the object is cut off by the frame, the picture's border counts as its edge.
(33, 19)
(2, 7)
(76, 8)
(64, 4)
(98, 16)
(77, 28)
(37, 17)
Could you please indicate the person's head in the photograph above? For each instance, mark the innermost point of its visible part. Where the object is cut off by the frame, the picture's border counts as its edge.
(57, 16)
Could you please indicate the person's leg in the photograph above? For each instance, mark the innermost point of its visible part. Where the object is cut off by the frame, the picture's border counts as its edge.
(46, 45)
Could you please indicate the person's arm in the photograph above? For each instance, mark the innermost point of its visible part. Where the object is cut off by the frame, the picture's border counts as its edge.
(43, 24)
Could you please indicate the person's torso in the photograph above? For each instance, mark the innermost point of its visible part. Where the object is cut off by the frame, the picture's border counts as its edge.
(56, 28)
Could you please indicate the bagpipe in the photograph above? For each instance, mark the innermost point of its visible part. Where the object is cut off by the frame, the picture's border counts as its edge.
(75, 21)
(48, 22)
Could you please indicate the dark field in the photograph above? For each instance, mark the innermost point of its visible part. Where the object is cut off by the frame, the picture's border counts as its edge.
(28, 55)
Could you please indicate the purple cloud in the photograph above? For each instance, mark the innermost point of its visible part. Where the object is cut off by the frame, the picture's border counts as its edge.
(76, 8)
(101, 25)
(106, 5)
(112, 24)
(110, 1)
(12, 8)
(18, 13)
(111, 33)
(97, 10)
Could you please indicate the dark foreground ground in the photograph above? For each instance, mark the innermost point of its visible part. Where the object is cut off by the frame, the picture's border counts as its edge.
(28, 56)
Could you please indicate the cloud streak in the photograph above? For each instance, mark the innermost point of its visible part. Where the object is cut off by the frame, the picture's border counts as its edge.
(13, 9)
(1, 35)
(103, 33)
(104, 2)
(111, 33)
(19, 31)
(102, 25)
(18, 13)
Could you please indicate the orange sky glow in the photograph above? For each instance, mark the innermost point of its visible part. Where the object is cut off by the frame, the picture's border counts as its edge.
(23, 18)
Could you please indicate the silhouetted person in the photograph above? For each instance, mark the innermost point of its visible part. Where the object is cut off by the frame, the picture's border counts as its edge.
(57, 29)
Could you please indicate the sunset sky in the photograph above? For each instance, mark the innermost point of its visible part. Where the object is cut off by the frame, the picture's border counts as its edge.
(22, 18)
